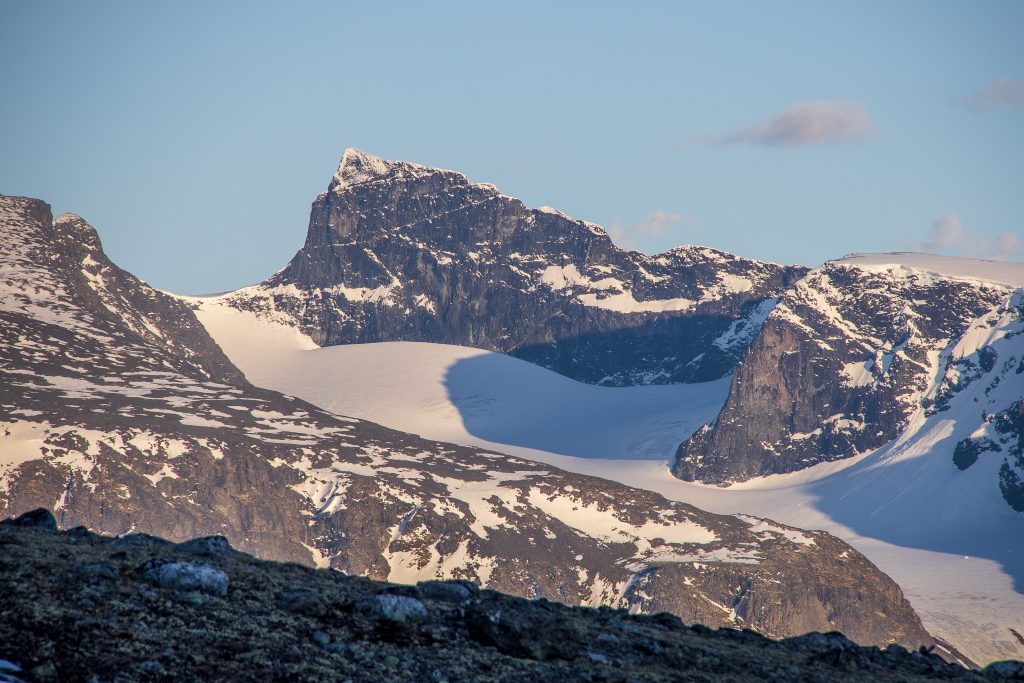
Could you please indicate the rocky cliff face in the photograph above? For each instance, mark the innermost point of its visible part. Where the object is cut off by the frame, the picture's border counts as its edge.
(118, 412)
(401, 252)
(851, 357)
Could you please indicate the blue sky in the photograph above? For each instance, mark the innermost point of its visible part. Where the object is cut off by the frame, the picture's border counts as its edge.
(195, 135)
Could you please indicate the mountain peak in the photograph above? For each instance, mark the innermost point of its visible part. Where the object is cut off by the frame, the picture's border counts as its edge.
(358, 167)
(78, 230)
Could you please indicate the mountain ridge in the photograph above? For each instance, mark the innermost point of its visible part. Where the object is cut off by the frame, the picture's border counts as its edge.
(850, 353)
(109, 418)
(403, 252)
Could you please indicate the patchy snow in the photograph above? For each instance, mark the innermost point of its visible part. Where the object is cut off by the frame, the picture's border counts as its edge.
(481, 496)
(165, 472)
(625, 302)
(741, 332)
(358, 167)
(553, 211)
(733, 284)
(320, 561)
(612, 293)
(859, 374)
(381, 294)
(560, 277)
(604, 525)
(763, 526)
(20, 442)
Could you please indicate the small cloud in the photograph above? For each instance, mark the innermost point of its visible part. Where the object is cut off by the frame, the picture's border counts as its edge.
(1001, 93)
(658, 223)
(806, 123)
(947, 235)
(1006, 246)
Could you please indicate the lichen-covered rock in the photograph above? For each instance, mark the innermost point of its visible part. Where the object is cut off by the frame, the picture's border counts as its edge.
(302, 601)
(185, 576)
(1007, 670)
(456, 592)
(394, 607)
(208, 546)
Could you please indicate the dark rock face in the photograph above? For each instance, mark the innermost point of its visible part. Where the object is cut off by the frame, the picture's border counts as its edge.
(81, 606)
(967, 451)
(401, 252)
(40, 518)
(1009, 425)
(839, 367)
(119, 413)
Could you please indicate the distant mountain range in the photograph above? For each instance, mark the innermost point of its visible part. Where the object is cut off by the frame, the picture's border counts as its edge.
(120, 413)
(125, 408)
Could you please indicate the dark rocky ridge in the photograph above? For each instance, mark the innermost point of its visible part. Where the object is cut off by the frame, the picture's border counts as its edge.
(837, 369)
(116, 412)
(79, 606)
(401, 252)
(1007, 428)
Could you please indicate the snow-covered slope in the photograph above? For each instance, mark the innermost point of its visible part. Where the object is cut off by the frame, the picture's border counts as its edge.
(469, 396)
(1002, 272)
(946, 535)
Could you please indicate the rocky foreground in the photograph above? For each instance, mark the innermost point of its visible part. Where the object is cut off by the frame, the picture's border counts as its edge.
(79, 606)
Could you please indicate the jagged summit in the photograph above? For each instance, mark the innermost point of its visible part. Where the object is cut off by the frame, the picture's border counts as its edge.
(357, 167)
(68, 218)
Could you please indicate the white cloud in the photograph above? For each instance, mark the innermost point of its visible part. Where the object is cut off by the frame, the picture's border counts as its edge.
(657, 224)
(1005, 246)
(806, 123)
(947, 235)
(1001, 93)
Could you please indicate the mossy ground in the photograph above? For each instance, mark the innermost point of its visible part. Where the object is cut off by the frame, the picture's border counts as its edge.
(77, 606)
